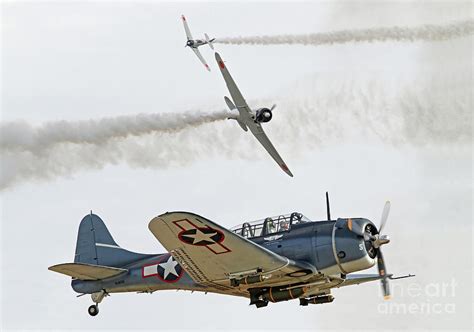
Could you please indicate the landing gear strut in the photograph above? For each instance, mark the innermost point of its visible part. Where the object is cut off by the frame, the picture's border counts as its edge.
(93, 310)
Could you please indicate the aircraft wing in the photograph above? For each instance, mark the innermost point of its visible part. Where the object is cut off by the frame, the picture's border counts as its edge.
(239, 100)
(260, 135)
(186, 28)
(212, 254)
(195, 50)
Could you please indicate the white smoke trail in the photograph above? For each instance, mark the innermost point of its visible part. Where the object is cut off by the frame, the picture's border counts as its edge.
(314, 112)
(23, 136)
(427, 32)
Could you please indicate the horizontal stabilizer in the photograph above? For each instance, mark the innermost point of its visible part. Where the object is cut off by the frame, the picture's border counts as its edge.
(229, 103)
(209, 41)
(83, 271)
(231, 106)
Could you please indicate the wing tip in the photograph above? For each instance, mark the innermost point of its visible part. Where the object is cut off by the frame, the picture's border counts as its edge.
(219, 60)
(207, 67)
(221, 64)
(286, 169)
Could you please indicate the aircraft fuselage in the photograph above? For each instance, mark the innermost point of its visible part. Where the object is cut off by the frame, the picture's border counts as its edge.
(195, 43)
(328, 245)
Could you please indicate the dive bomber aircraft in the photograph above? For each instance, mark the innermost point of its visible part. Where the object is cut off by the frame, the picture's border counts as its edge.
(272, 260)
(248, 118)
(195, 43)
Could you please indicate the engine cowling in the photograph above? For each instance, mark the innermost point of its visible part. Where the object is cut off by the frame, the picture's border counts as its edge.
(341, 249)
(263, 115)
(190, 43)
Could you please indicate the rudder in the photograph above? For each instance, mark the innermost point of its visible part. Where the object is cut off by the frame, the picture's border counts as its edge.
(96, 246)
(92, 230)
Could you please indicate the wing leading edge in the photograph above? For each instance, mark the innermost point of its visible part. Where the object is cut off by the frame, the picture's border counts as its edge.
(246, 117)
(267, 144)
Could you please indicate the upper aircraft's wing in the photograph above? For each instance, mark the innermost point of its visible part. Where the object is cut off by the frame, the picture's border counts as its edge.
(239, 100)
(186, 28)
(212, 254)
(260, 135)
(201, 58)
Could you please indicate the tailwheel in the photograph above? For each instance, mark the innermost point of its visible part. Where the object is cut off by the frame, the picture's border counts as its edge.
(93, 310)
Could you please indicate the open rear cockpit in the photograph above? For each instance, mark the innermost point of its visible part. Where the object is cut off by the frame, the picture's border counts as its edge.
(269, 225)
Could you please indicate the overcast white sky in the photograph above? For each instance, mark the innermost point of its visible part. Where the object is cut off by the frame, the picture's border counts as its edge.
(367, 122)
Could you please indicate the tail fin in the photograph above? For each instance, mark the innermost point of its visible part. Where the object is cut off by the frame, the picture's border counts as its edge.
(95, 245)
(232, 107)
(209, 41)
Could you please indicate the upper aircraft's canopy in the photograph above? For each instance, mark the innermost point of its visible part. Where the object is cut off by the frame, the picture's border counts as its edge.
(270, 225)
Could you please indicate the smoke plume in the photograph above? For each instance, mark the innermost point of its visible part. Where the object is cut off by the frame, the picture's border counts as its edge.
(314, 112)
(21, 136)
(427, 32)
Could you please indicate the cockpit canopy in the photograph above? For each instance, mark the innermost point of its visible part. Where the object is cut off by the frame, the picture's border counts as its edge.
(269, 225)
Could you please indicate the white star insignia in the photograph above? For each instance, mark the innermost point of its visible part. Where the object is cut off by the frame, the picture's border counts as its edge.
(200, 236)
(169, 267)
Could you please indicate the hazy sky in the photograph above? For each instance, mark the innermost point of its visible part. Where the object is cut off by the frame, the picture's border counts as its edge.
(366, 121)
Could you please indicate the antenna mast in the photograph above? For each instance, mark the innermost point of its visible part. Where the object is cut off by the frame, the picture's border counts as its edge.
(328, 210)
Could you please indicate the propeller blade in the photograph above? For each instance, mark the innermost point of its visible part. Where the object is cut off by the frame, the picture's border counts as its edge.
(383, 273)
(273, 107)
(385, 212)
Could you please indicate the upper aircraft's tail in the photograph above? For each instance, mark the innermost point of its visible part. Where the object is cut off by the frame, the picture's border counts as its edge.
(232, 107)
(97, 254)
(209, 41)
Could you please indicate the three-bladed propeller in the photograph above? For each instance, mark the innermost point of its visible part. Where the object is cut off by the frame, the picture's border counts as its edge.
(377, 242)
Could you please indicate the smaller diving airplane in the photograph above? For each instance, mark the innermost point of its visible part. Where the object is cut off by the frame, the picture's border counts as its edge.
(248, 118)
(195, 43)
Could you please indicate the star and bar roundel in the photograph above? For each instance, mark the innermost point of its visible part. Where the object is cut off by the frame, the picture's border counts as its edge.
(166, 269)
(207, 237)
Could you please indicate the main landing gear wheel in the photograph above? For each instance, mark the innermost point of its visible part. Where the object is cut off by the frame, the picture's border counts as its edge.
(93, 310)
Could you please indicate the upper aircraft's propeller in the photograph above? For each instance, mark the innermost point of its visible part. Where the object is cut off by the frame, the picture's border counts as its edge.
(273, 107)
